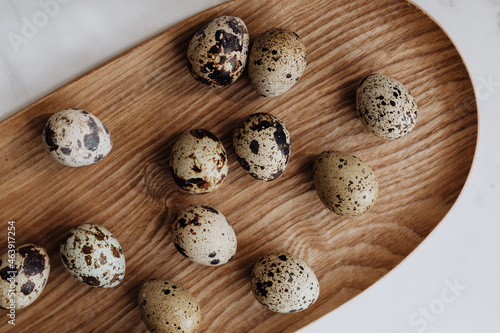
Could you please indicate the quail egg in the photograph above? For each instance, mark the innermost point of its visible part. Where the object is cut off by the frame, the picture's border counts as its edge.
(276, 62)
(23, 275)
(284, 283)
(202, 234)
(93, 255)
(75, 138)
(166, 307)
(345, 184)
(217, 53)
(262, 145)
(198, 162)
(386, 107)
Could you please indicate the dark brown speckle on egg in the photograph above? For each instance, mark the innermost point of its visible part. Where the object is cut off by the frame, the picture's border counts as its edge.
(386, 107)
(76, 138)
(284, 283)
(34, 260)
(262, 146)
(198, 162)
(30, 270)
(344, 183)
(168, 307)
(27, 287)
(93, 255)
(217, 53)
(202, 234)
(276, 61)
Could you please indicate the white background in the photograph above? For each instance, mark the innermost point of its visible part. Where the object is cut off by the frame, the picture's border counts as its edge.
(449, 284)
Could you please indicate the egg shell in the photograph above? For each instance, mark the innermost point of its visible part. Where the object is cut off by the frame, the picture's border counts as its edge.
(386, 107)
(76, 138)
(217, 53)
(93, 255)
(198, 162)
(167, 307)
(262, 145)
(277, 60)
(284, 283)
(345, 184)
(202, 234)
(29, 273)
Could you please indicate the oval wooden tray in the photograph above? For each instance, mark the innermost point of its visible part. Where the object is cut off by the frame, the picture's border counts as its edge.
(146, 97)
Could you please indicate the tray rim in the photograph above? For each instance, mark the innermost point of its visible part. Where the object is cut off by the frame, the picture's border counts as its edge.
(461, 192)
(175, 27)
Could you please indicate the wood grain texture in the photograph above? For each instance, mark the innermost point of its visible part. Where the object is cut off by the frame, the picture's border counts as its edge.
(146, 97)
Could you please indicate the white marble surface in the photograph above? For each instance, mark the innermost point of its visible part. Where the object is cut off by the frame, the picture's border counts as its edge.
(449, 284)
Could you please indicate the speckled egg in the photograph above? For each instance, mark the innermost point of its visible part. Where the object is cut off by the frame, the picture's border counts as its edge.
(262, 145)
(23, 275)
(76, 138)
(166, 307)
(217, 53)
(284, 283)
(386, 107)
(276, 62)
(202, 234)
(93, 255)
(198, 162)
(345, 184)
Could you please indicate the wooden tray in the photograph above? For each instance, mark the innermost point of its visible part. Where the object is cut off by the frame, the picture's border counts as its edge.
(146, 97)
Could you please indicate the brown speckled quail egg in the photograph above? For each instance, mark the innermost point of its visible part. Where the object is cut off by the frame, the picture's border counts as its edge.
(202, 234)
(198, 162)
(276, 62)
(345, 184)
(284, 283)
(23, 275)
(167, 307)
(262, 145)
(93, 255)
(386, 107)
(76, 138)
(217, 53)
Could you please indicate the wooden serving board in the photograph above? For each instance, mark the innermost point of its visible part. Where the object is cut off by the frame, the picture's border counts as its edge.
(146, 97)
